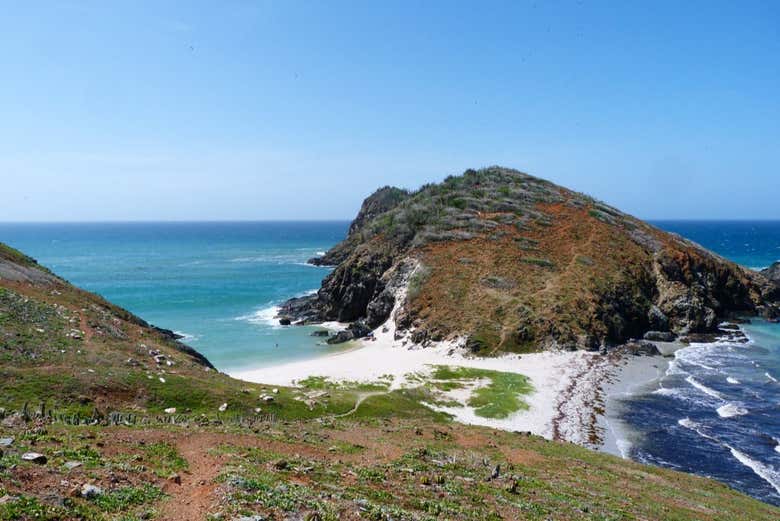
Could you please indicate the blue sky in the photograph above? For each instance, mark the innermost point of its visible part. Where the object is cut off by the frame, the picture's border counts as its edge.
(297, 110)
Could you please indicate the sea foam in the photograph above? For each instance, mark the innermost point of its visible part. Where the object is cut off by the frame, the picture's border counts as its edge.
(265, 316)
(703, 388)
(695, 427)
(731, 409)
(769, 474)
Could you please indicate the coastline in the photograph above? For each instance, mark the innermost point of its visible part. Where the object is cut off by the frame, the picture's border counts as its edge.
(630, 375)
(633, 376)
(550, 373)
(574, 391)
(576, 395)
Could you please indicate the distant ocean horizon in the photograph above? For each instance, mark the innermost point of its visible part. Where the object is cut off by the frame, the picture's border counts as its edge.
(218, 282)
(716, 412)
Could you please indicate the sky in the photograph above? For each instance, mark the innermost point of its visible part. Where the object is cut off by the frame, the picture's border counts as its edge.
(238, 110)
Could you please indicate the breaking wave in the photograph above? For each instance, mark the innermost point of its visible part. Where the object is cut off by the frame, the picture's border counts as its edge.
(730, 410)
(767, 473)
(703, 388)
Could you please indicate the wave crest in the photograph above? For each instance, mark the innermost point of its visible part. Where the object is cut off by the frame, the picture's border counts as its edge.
(730, 410)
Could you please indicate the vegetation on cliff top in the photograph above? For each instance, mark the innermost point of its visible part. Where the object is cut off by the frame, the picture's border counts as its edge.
(517, 263)
(86, 385)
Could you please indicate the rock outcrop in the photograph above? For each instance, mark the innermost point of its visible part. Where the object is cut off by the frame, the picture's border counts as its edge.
(516, 263)
(773, 273)
(17, 268)
(381, 201)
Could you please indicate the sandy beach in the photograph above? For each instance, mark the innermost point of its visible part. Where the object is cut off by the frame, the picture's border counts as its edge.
(629, 376)
(567, 385)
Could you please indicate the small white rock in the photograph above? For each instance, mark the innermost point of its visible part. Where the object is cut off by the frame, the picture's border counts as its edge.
(170, 410)
(275, 391)
(223, 407)
(89, 491)
(162, 380)
(35, 457)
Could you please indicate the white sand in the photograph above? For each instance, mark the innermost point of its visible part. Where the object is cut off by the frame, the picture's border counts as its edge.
(549, 372)
(566, 384)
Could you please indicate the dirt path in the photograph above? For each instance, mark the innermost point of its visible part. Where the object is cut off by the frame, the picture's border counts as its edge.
(194, 498)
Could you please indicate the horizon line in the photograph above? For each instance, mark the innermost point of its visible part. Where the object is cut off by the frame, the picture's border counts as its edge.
(342, 220)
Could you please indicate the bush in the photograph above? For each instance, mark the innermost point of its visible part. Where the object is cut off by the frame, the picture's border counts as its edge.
(416, 282)
(544, 263)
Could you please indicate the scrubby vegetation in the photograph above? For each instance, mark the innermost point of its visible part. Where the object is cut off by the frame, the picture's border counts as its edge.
(352, 468)
(517, 263)
(498, 399)
(103, 417)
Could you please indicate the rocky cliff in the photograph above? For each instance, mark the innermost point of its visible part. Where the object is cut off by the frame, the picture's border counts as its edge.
(772, 273)
(515, 263)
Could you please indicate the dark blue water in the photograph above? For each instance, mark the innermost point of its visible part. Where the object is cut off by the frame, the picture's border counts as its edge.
(216, 283)
(754, 244)
(219, 283)
(716, 412)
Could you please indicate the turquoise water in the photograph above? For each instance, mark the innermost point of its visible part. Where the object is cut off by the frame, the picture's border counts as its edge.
(219, 283)
(215, 283)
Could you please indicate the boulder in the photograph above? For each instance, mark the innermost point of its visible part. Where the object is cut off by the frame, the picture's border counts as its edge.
(302, 310)
(321, 333)
(285, 321)
(641, 348)
(70, 465)
(659, 336)
(355, 330)
(341, 337)
(89, 491)
(35, 457)
(6, 442)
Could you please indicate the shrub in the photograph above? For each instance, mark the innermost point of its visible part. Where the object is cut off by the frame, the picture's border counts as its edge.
(544, 263)
(416, 282)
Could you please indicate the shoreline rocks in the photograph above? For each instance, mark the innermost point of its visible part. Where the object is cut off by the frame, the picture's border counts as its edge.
(664, 286)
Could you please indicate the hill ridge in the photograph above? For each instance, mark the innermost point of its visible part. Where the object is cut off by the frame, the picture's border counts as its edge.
(544, 266)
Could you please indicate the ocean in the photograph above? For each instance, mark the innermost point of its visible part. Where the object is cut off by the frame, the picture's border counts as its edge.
(716, 411)
(217, 284)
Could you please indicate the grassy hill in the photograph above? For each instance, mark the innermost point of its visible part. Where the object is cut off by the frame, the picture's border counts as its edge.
(108, 401)
(516, 263)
